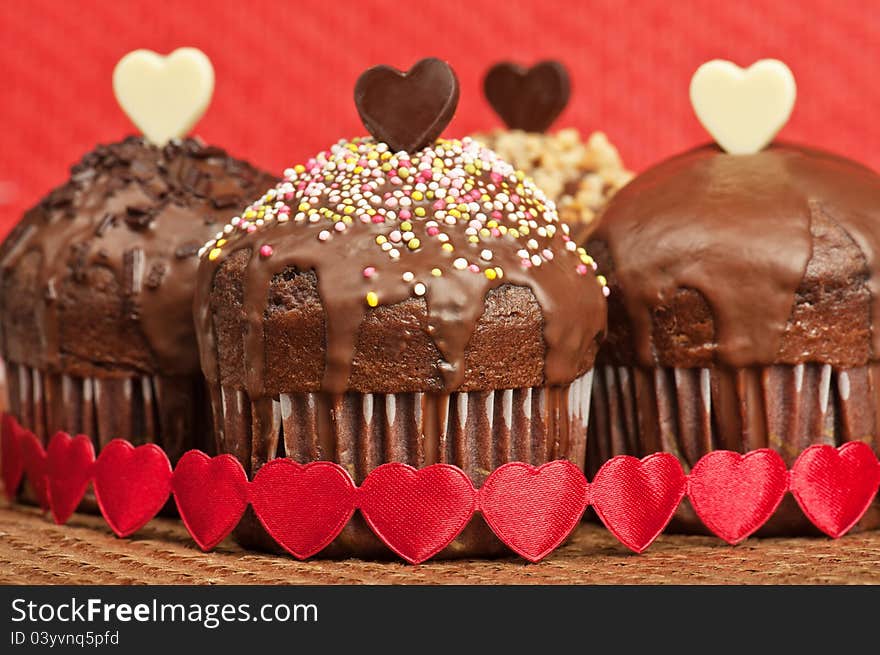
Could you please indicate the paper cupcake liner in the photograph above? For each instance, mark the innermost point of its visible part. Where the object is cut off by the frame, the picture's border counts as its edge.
(477, 431)
(168, 411)
(691, 411)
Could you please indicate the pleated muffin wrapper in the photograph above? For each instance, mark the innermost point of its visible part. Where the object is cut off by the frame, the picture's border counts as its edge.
(171, 412)
(477, 431)
(691, 411)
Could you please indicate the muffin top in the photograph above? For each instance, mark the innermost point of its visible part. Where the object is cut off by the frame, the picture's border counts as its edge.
(579, 175)
(98, 277)
(368, 270)
(743, 260)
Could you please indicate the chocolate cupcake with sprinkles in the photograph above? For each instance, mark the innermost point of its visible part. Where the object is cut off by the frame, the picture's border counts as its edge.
(400, 298)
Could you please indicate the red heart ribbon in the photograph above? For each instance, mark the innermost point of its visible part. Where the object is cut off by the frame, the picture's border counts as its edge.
(418, 513)
(69, 471)
(131, 485)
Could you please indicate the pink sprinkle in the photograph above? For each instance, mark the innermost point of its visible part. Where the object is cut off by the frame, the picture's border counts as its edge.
(391, 202)
(496, 232)
(514, 198)
(289, 195)
(378, 218)
(473, 268)
(439, 204)
(606, 291)
(266, 251)
(582, 269)
(252, 228)
(457, 183)
(445, 182)
(396, 180)
(526, 263)
(364, 218)
(404, 214)
(496, 177)
(339, 227)
(433, 231)
(369, 271)
(548, 254)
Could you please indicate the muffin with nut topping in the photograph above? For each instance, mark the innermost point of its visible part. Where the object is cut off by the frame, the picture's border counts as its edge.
(579, 175)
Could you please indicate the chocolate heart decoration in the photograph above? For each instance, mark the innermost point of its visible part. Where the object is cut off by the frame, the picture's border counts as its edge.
(407, 110)
(527, 99)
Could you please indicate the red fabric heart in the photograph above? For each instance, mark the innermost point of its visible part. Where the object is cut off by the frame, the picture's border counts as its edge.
(417, 513)
(533, 509)
(636, 498)
(69, 470)
(35, 467)
(11, 456)
(835, 486)
(131, 484)
(211, 495)
(735, 494)
(302, 507)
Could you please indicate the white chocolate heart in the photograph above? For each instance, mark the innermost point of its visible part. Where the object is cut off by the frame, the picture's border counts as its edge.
(743, 109)
(164, 96)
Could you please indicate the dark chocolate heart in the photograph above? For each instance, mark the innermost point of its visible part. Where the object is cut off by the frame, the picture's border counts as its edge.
(407, 110)
(527, 99)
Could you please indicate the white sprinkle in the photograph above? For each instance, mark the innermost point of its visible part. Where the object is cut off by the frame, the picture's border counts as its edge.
(460, 263)
(323, 235)
(408, 276)
(419, 289)
(487, 255)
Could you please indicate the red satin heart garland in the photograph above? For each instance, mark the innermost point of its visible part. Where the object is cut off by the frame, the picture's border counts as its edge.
(417, 513)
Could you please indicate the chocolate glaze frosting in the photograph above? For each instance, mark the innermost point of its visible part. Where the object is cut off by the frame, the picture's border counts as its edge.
(428, 241)
(718, 258)
(97, 278)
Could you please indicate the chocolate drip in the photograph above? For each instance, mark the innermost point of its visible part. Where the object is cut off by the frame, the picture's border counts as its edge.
(134, 210)
(571, 301)
(736, 228)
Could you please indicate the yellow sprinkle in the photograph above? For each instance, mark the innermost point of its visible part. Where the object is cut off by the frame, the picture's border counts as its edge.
(601, 279)
(214, 254)
(406, 226)
(417, 195)
(473, 239)
(520, 176)
(358, 169)
(221, 242)
(499, 271)
(447, 247)
(470, 168)
(492, 223)
(303, 206)
(250, 213)
(420, 211)
(513, 232)
(353, 147)
(299, 168)
(429, 195)
(386, 167)
(437, 163)
(373, 154)
(436, 272)
(455, 212)
(490, 273)
(372, 298)
(348, 209)
(485, 233)
(586, 259)
(502, 229)
(385, 156)
(413, 243)
(403, 172)
(381, 239)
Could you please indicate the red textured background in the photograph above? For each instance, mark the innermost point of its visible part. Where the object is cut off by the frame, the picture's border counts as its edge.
(285, 70)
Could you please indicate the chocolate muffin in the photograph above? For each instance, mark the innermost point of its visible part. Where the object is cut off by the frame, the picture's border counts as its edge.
(378, 307)
(96, 287)
(744, 311)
